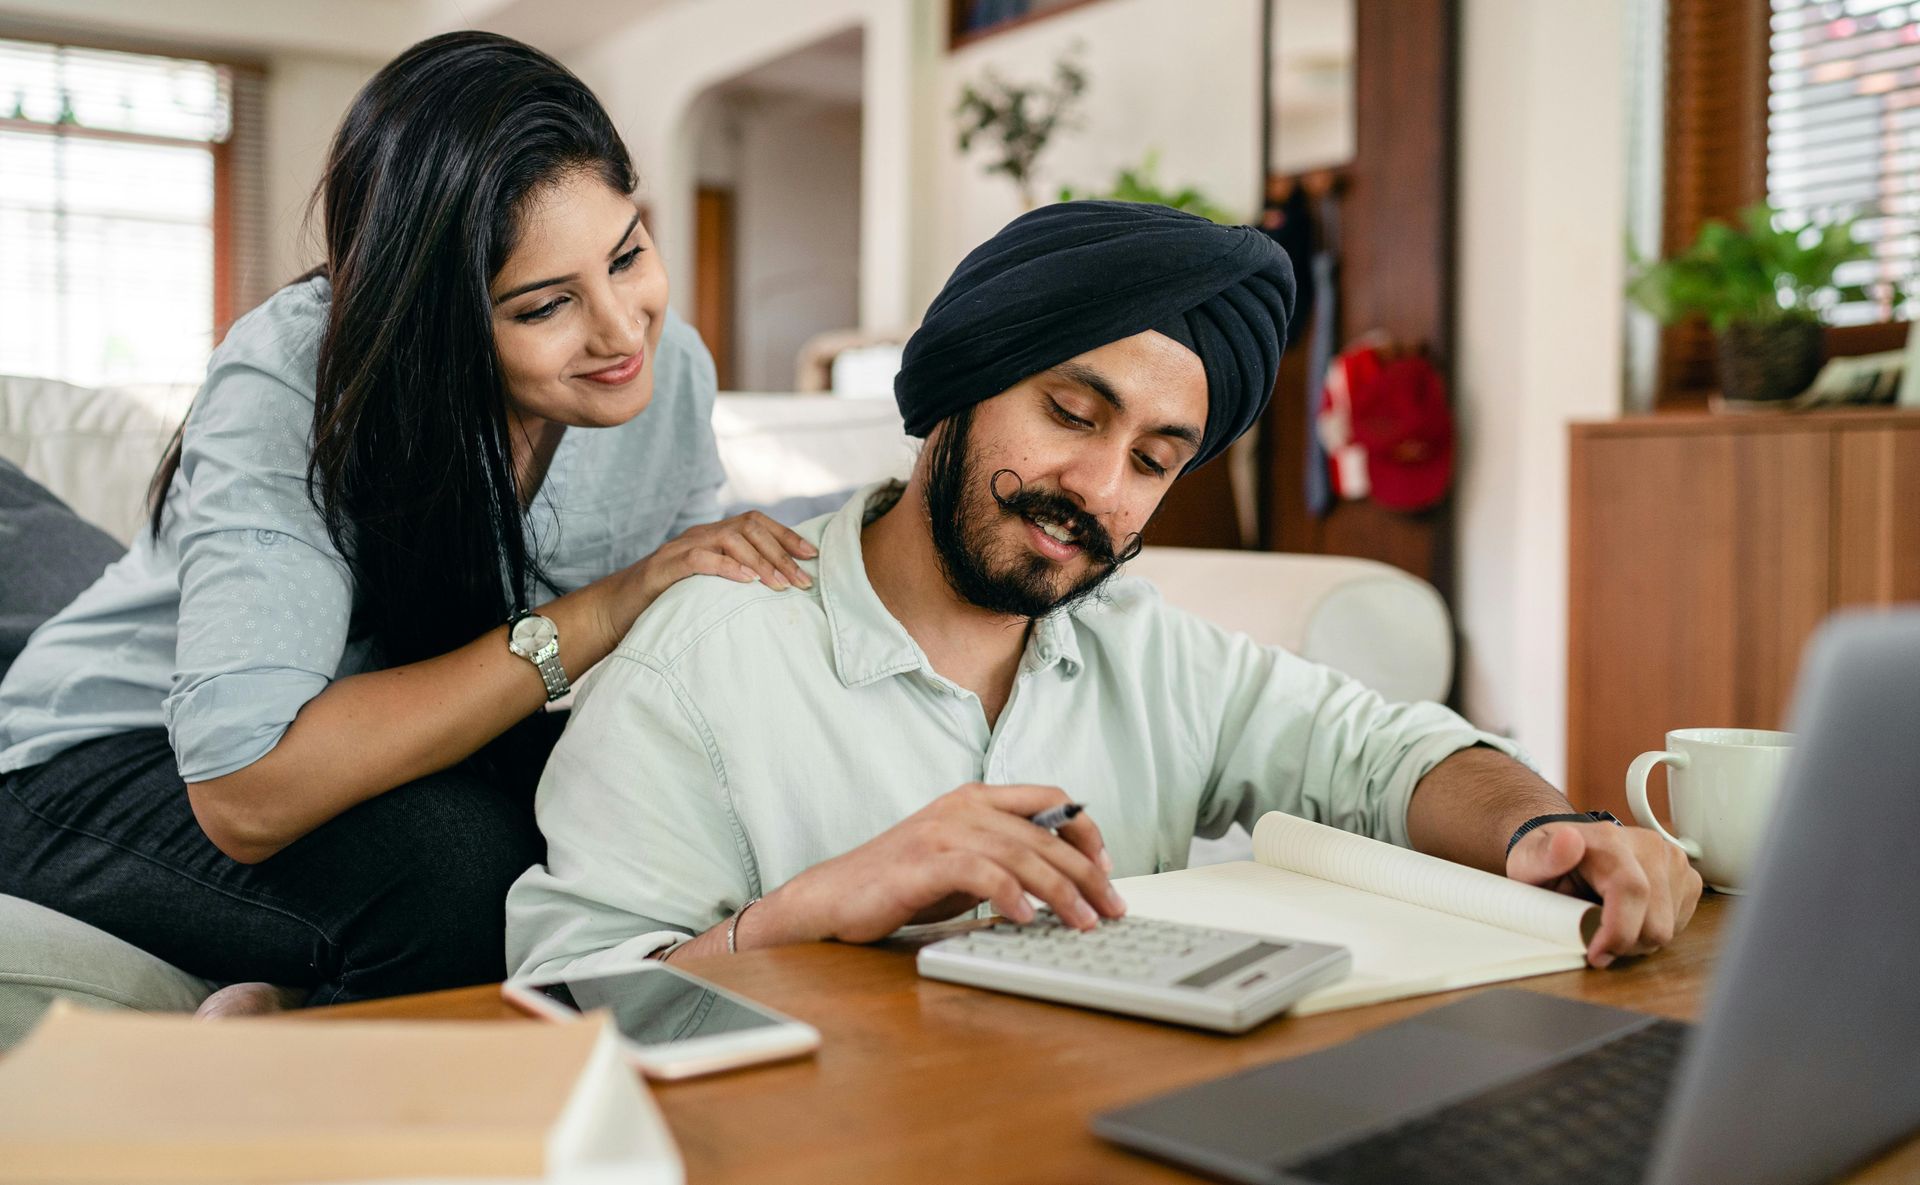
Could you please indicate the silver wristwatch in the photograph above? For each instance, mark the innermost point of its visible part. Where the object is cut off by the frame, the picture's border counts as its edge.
(537, 639)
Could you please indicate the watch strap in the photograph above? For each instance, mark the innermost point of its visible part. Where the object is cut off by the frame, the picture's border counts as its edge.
(552, 673)
(1539, 821)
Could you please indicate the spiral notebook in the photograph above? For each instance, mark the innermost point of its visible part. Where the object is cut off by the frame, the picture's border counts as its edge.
(1415, 923)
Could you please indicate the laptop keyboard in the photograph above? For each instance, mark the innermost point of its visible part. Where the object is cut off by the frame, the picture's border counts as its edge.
(1589, 1119)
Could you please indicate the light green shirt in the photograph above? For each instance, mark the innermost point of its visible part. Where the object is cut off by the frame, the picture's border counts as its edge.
(739, 736)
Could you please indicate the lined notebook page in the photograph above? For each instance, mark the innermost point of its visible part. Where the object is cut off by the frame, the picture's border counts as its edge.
(1299, 845)
(1399, 949)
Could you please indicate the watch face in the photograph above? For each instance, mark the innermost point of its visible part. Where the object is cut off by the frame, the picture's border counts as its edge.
(532, 635)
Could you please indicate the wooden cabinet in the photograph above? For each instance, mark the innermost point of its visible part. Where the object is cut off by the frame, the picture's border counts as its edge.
(1704, 550)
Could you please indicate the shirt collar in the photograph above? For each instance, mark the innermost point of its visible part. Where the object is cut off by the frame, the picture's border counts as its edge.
(869, 643)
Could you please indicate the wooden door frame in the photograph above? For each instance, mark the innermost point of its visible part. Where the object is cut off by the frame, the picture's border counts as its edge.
(1396, 274)
(714, 276)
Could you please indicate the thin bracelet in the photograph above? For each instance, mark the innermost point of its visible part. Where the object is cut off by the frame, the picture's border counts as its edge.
(734, 924)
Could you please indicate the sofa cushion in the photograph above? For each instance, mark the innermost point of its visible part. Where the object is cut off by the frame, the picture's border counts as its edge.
(56, 555)
(47, 956)
(778, 448)
(1381, 625)
(94, 447)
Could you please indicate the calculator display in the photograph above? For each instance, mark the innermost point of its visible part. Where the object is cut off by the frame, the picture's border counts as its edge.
(1208, 976)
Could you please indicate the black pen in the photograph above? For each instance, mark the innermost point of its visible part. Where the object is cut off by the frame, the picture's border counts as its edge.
(1053, 818)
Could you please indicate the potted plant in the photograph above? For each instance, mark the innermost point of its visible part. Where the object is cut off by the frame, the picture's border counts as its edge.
(1765, 287)
(1022, 117)
(1142, 184)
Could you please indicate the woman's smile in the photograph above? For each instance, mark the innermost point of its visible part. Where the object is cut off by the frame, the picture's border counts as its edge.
(621, 372)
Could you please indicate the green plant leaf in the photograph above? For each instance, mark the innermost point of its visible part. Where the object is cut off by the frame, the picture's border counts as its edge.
(1141, 183)
(1757, 270)
(1021, 119)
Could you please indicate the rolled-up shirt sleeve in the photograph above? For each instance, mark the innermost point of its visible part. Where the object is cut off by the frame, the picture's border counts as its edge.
(643, 851)
(1298, 737)
(265, 599)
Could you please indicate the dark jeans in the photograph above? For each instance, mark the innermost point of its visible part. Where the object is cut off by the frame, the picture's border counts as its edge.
(402, 893)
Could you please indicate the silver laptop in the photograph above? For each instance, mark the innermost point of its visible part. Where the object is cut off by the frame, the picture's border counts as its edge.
(1807, 1062)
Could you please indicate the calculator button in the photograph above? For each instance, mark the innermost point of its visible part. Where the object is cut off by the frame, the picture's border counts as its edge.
(1147, 968)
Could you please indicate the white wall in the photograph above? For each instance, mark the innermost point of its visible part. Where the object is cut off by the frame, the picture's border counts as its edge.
(1174, 75)
(340, 28)
(376, 29)
(1543, 179)
(652, 75)
(306, 98)
(797, 221)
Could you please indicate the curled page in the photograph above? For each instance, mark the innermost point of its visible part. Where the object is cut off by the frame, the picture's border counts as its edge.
(1314, 849)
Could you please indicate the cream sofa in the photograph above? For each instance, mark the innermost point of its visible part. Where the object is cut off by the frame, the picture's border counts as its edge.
(96, 448)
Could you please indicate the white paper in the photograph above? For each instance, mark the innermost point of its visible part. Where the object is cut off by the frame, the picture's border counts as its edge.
(1414, 923)
(1299, 845)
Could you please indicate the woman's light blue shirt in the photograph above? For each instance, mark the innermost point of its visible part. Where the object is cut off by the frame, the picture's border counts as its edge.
(224, 626)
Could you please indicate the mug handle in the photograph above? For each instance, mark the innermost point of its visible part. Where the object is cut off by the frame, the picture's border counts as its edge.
(1637, 797)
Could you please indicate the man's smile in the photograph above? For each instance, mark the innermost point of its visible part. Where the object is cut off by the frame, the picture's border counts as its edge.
(1052, 540)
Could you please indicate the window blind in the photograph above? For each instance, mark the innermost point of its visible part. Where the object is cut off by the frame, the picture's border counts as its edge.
(1843, 135)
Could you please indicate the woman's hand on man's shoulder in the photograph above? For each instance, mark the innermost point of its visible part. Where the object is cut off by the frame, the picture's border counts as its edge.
(747, 547)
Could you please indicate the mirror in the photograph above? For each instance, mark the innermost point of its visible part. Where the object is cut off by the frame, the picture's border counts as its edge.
(1309, 116)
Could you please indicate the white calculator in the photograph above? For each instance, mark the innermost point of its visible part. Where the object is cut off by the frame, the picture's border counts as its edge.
(1191, 975)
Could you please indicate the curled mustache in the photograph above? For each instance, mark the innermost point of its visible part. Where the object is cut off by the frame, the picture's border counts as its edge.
(1059, 508)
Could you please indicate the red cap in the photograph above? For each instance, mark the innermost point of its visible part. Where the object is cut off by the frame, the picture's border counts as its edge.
(1402, 418)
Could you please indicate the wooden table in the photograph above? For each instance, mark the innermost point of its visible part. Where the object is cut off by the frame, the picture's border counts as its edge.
(918, 1080)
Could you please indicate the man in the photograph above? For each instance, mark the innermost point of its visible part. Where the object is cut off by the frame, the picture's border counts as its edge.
(757, 766)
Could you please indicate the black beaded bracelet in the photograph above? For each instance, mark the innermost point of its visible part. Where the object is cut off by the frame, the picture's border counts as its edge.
(1542, 820)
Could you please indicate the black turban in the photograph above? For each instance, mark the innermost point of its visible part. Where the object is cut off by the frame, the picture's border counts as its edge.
(1068, 278)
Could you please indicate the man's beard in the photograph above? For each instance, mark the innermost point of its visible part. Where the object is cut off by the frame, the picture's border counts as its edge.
(966, 506)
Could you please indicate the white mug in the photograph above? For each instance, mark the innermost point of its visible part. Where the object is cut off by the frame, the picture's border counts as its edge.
(1721, 785)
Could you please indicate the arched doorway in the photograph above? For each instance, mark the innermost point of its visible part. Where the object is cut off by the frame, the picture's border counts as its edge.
(776, 159)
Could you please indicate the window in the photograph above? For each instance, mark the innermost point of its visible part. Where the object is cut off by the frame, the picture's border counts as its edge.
(1814, 106)
(118, 219)
(1843, 135)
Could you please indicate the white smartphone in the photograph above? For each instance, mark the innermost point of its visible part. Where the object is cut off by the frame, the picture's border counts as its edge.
(671, 1024)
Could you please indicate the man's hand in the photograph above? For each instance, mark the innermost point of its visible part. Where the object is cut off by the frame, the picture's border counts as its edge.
(1647, 889)
(969, 845)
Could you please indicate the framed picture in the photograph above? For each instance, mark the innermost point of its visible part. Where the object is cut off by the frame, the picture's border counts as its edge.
(970, 20)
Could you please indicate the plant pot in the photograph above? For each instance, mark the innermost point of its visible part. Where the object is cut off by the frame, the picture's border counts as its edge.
(1762, 363)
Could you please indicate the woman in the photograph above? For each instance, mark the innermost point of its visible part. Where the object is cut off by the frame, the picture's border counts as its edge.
(292, 736)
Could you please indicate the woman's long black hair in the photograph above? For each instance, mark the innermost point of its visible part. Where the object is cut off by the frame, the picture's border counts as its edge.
(412, 468)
